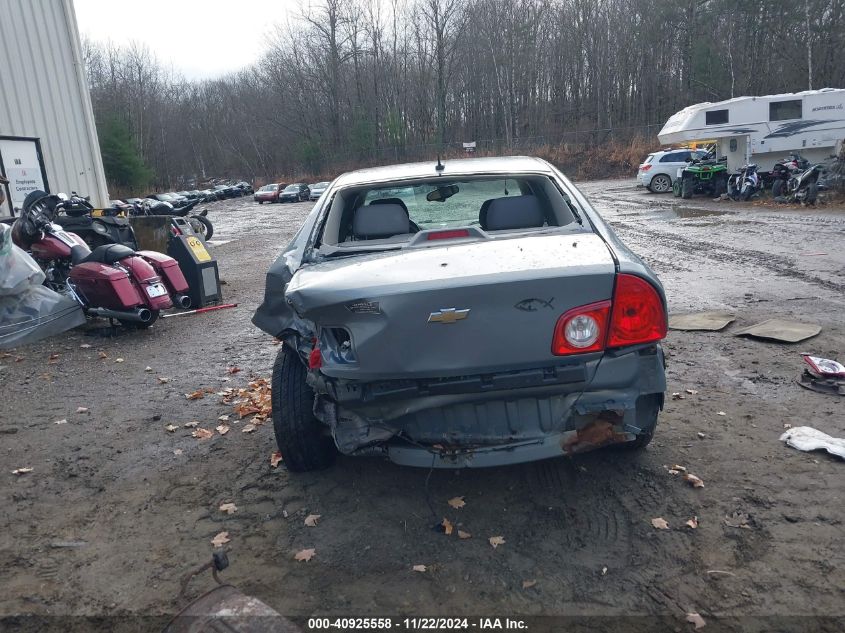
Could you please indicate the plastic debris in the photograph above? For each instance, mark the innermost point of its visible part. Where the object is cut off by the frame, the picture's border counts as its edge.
(806, 438)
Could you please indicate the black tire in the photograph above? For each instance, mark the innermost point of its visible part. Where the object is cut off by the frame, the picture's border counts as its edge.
(812, 193)
(720, 185)
(687, 187)
(648, 408)
(299, 435)
(676, 188)
(777, 188)
(208, 229)
(260, 202)
(661, 183)
(135, 325)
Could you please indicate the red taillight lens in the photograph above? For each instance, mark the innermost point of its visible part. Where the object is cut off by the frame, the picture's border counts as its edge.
(637, 315)
(582, 329)
(645, 167)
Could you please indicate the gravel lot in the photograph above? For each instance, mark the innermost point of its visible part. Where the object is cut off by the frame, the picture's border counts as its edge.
(118, 509)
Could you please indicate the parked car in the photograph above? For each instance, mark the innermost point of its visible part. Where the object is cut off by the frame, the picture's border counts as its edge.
(245, 187)
(474, 314)
(227, 191)
(317, 190)
(172, 198)
(267, 193)
(297, 192)
(658, 171)
(211, 195)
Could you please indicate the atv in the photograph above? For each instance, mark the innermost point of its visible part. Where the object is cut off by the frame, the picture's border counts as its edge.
(707, 176)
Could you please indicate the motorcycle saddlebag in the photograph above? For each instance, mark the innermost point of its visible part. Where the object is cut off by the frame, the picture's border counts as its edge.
(105, 286)
(168, 269)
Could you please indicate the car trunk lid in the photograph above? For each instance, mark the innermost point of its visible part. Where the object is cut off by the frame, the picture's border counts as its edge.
(464, 309)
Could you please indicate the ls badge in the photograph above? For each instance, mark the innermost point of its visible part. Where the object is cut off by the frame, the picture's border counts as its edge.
(448, 315)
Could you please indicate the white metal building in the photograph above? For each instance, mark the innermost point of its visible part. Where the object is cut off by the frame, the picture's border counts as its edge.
(48, 138)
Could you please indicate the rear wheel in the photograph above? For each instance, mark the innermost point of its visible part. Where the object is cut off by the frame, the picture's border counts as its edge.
(299, 434)
(206, 229)
(687, 186)
(648, 408)
(661, 183)
(720, 184)
(812, 193)
(777, 188)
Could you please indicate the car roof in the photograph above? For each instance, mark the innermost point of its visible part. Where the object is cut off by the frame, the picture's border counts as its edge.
(452, 168)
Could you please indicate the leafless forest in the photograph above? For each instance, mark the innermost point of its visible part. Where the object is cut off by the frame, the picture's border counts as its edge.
(352, 82)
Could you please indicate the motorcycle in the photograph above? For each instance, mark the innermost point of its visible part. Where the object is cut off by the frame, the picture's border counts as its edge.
(796, 181)
(96, 226)
(744, 183)
(111, 281)
(199, 222)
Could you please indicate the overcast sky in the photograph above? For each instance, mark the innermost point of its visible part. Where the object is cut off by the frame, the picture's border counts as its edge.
(199, 38)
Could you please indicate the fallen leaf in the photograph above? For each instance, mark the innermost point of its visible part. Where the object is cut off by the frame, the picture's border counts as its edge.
(305, 554)
(720, 413)
(787, 425)
(527, 584)
(191, 424)
(162, 380)
(220, 539)
(311, 520)
(738, 520)
(693, 481)
(691, 392)
(677, 468)
(233, 370)
(19, 359)
(464, 535)
(54, 358)
(171, 428)
(118, 360)
(195, 395)
(275, 459)
(228, 508)
(660, 523)
(677, 396)
(202, 434)
(177, 451)
(21, 471)
(495, 541)
(249, 428)
(696, 619)
(457, 502)
(222, 429)
(701, 435)
(85, 346)
(62, 421)
(102, 355)
(420, 568)
(447, 526)
(148, 368)
(604, 571)
(82, 409)
(223, 418)
(692, 523)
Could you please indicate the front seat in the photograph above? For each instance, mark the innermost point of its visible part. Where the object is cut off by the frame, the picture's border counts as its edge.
(511, 212)
(373, 222)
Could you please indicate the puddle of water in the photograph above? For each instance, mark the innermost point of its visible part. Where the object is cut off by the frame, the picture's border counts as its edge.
(687, 212)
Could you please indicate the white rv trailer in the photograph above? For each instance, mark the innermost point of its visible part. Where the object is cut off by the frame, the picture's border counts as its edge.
(764, 130)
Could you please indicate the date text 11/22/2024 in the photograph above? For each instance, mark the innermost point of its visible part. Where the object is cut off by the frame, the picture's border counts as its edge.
(417, 624)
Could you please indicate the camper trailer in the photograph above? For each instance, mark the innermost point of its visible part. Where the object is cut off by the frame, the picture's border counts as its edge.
(764, 130)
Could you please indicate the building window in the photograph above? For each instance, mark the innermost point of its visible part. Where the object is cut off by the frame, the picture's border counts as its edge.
(785, 110)
(716, 117)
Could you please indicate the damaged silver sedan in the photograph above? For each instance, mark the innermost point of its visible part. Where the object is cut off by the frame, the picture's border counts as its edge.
(476, 313)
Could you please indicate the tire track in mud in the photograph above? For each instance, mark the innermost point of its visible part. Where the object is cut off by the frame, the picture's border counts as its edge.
(778, 264)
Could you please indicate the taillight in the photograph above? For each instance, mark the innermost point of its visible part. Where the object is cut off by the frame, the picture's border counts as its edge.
(581, 330)
(637, 315)
(447, 235)
(645, 167)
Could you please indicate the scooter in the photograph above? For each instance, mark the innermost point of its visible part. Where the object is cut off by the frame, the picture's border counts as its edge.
(744, 183)
(112, 281)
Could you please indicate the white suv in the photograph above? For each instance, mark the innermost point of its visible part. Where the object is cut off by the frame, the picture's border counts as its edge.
(659, 169)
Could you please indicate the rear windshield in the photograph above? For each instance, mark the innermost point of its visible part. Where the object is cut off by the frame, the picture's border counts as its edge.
(393, 213)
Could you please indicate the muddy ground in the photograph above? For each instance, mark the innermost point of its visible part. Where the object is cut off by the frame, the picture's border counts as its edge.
(117, 509)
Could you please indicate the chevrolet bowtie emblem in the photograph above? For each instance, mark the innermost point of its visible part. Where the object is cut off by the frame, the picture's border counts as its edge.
(448, 315)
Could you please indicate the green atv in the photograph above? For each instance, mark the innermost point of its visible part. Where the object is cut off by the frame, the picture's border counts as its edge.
(707, 176)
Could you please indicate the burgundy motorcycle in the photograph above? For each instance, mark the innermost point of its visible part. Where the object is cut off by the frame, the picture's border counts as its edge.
(112, 281)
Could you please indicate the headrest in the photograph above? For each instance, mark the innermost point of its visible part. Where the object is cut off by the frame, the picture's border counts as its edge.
(381, 220)
(398, 201)
(511, 212)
